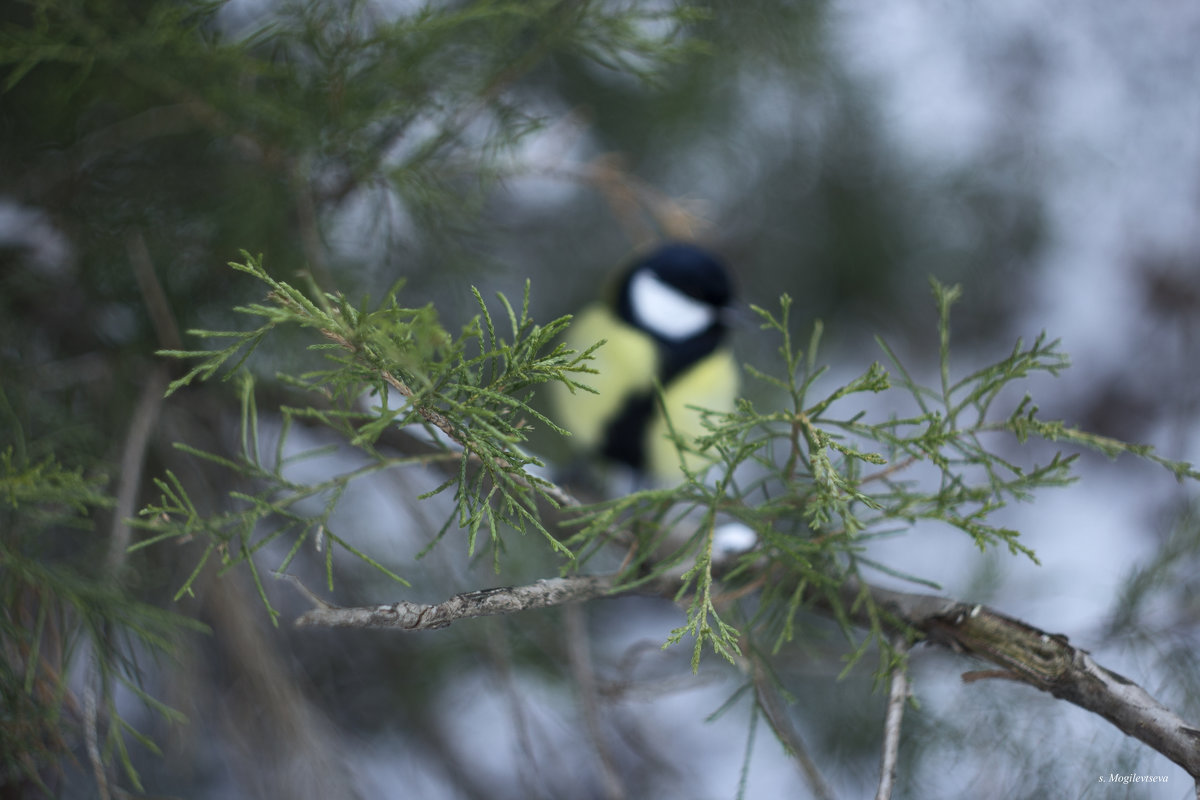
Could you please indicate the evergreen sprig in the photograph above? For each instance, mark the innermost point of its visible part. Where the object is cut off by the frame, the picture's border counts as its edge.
(388, 368)
(819, 475)
(55, 614)
(328, 97)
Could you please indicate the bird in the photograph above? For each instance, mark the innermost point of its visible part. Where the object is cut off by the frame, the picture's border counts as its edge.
(665, 325)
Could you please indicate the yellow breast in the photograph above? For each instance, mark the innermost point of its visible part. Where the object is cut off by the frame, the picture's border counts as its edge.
(711, 384)
(628, 365)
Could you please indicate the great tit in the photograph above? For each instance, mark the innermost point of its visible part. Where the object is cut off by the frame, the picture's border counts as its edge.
(667, 322)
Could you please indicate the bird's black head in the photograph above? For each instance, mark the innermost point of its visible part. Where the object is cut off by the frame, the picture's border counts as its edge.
(672, 285)
(678, 294)
(691, 270)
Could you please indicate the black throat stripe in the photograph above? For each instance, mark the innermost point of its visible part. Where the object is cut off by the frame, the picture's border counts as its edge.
(625, 436)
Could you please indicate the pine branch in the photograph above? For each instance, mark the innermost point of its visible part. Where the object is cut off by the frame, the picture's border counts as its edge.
(1047, 662)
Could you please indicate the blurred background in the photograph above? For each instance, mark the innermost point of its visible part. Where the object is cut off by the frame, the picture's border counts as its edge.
(1046, 157)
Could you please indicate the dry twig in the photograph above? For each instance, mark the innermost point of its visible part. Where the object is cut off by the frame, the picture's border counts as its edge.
(897, 697)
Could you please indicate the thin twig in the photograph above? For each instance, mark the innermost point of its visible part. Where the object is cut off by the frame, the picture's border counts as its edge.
(632, 200)
(897, 697)
(91, 724)
(133, 459)
(579, 656)
(166, 329)
(309, 595)
(773, 709)
(890, 469)
(407, 616)
(149, 404)
(310, 234)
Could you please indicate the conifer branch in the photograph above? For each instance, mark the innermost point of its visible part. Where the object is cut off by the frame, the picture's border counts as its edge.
(1045, 661)
(839, 484)
(443, 423)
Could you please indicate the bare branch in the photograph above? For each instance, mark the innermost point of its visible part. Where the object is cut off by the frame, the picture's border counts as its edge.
(1045, 661)
(149, 404)
(91, 727)
(1042, 660)
(133, 459)
(897, 697)
(166, 329)
(407, 616)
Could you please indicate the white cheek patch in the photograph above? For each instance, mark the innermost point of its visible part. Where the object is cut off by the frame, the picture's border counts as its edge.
(666, 311)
